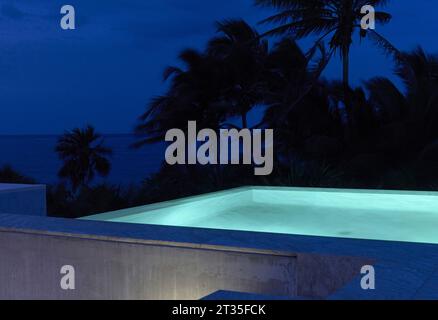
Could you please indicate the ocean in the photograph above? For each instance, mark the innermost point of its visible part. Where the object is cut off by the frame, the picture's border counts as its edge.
(34, 156)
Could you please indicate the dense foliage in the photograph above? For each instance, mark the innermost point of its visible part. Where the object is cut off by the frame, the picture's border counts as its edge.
(326, 133)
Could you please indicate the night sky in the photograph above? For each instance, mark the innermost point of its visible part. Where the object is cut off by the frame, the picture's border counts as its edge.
(105, 71)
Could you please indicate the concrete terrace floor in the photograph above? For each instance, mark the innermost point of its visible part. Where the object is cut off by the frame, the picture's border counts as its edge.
(403, 270)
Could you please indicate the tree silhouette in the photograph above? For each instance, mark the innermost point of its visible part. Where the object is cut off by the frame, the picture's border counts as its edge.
(194, 94)
(84, 155)
(242, 53)
(333, 19)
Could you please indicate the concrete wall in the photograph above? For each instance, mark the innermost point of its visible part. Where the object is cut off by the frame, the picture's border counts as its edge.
(111, 268)
(23, 199)
(319, 276)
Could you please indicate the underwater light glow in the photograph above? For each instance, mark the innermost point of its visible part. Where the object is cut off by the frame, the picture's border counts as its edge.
(359, 214)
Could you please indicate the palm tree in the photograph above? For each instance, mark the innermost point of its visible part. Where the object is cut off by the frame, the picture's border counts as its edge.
(194, 94)
(243, 54)
(417, 106)
(337, 19)
(223, 81)
(84, 155)
(290, 78)
(406, 134)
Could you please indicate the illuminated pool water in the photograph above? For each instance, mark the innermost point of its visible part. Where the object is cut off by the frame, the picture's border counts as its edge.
(359, 214)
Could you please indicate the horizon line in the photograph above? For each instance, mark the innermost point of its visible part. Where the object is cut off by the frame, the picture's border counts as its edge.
(58, 134)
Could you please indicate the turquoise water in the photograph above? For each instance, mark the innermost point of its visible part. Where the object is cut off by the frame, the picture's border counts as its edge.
(377, 215)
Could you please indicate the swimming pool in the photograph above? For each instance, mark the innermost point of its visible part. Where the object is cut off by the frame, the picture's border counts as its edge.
(359, 214)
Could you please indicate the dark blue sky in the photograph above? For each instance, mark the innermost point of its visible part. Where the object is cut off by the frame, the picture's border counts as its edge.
(105, 71)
